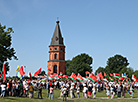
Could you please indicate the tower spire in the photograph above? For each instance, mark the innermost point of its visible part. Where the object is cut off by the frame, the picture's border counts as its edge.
(57, 38)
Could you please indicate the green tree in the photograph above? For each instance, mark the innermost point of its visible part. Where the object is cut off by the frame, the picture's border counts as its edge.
(129, 71)
(6, 51)
(67, 64)
(43, 73)
(116, 64)
(80, 64)
(136, 73)
(100, 69)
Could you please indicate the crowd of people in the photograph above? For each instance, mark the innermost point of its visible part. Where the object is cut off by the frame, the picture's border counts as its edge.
(23, 88)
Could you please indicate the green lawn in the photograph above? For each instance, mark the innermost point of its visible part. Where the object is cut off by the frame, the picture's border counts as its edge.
(57, 94)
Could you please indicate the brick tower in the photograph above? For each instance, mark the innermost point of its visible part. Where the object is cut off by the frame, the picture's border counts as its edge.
(57, 52)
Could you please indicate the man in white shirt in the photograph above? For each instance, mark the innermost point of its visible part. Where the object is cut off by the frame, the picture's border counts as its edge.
(3, 90)
(85, 89)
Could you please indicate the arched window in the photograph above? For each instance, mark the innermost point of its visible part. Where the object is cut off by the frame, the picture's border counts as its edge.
(55, 68)
(55, 56)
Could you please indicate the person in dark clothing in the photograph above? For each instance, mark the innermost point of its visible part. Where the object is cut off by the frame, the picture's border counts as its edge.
(57, 85)
(19, 88)
(39, 90)
(89, 91)
(10, 87)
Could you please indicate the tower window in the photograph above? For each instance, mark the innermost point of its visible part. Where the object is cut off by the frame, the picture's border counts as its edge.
(55, 68)
(55, 56)
(55, 48)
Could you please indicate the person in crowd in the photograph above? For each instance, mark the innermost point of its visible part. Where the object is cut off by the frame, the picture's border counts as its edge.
(94, 92)
(71, 91)
(3, 90)
(89, 90)
(35, 86)
(119, 91)
(85, 89)
(13, 88)
(74, 84)
(107, 90)
(51, 92)
(61, 94)
(123, 91)
(10, 87)
(78, 91)
(26, 86)
(68, 86)
(47, 87)
(127, 88)
(131, 91)
(19, 88)
(64, 92)
(16, 89)
(112, 91)
(7, 87)
(39, 90)
(31, 90)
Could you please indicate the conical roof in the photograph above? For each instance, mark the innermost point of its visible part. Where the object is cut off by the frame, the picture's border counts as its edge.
(57, 37)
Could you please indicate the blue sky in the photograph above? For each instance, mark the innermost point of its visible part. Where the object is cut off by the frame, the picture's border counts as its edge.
(100, 28)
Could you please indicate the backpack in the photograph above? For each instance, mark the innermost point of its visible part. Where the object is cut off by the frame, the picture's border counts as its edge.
(65, 91)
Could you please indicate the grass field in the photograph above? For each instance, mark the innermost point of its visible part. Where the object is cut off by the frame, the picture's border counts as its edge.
(99, 95)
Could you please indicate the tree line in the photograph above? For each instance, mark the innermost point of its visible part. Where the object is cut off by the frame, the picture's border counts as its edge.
(83, 62)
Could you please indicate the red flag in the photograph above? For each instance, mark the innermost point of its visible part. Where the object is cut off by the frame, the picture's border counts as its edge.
(49, 69)
(37, 72)
(101, 75)
(73, 76)
(116, 74)
(104, 74)
(79, 77)
(60, 76)
(119, 82)
(87, 73)
(65, 76)
(49, 73)
(0, 74)
(93, 78)
(134, 78)
(61, 73)
(55, 74)
(4, 72)
(29, 75)
(93, 74)
(111, 74)
(21, 71)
